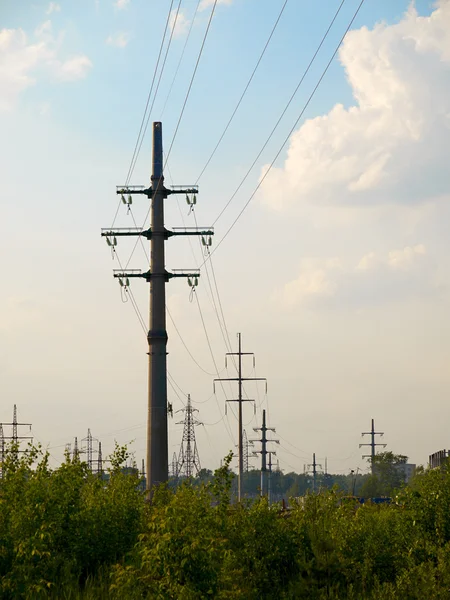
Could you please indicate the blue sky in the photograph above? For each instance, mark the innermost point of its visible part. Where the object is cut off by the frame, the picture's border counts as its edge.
(336, 274)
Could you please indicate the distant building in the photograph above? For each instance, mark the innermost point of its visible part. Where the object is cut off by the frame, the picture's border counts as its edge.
(438, 458)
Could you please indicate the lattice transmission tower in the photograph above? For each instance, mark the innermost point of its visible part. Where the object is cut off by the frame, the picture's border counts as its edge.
(188, 463)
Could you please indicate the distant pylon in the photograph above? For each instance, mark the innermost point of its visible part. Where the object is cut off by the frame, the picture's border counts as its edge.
(90, 449)
(372, 444)
(314, 466)
(76, 452)
(15, 438)
(99, 460)
(245, 448)
(2, 449)
(174, 464)
(188, 463)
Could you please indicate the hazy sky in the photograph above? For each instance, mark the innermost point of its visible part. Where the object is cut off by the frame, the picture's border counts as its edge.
(337, 273)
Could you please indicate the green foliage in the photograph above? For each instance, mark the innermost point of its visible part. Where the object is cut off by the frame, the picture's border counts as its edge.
(61, 525)
(387, 476)
(67, 534)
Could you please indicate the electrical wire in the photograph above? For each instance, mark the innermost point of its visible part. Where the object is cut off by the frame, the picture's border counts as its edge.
(181, 57)
(215, 364)
(295, 447)
(186, 347)
(287, 137)
(306, 71)
(178, 123)
(192, 79)
(157, 87)
(244, 92)
(131, 167)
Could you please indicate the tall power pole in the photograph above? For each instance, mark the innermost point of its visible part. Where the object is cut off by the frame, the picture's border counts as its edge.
(240, 400)
(188, 462)
(264, 452)
(372, 445)
(157, 276)
(314, 466)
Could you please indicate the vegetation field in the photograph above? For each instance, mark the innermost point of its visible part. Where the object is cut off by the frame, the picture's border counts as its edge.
(66, 533)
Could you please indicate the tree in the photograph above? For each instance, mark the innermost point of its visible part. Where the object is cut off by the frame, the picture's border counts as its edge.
(388, 475)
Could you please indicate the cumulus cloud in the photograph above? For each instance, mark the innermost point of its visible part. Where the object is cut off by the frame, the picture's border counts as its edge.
(317, 279)
(20, 60)
(53, 7)
(121, 4)
(204, 4)
(72, 69)
(375, 277)
(390, 147)
(17, 61)
(178, 23)
(119, 40)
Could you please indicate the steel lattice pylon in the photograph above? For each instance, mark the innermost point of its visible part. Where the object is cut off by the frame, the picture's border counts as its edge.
(188, 463)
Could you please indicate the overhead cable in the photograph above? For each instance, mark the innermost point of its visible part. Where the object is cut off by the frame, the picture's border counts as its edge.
(285, 140)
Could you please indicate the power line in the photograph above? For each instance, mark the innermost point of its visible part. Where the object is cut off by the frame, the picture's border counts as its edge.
(157, 187)
(186, 347)
(192, 79)
(156, 91)
(287, 137)
(215, 364)
(244, 92)
(181, 57)
(131, 167)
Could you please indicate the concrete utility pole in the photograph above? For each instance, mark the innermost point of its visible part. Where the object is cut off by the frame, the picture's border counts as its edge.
(157, 276)
(188, 462)
(264, 452)
(240, 400)
(314, 466)
(372, 445)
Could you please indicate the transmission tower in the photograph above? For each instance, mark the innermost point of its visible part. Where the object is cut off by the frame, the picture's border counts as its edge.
(313, 471)
(174, 464)
(76, 452)
(188, 462)
(100, 460)
(89, 449)
(240, 400)
(246, 443)
(372, 445)
(2, 449)
(264, 452)
(157, 276)
(269, 478)
(15, 438)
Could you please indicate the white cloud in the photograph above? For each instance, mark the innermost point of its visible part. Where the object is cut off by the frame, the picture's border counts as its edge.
(121, 4)
(375, 278)
(72, 69)
(368, 262)
(406, 258)
(391, 146)
(20, 59)
(179, 23)
(119, 40)
(17, 60)
(403, 259)
(204, 4)
(315, 280)
(53, 7)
